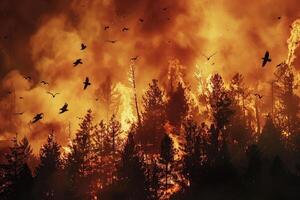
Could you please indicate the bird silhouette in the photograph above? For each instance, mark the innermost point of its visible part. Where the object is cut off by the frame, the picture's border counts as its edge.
(125, 29)
(21, 97)
(258, 95)
(19, 113)
(53, 94)
(209, 57)
(111, 41)
(280, 64)
(134, 58)
(141, 20)
(266, 59)
(165, 9)
(44, 82)
(77, 62)
(86, 83)
(37, 117)
(64, 108)
(106, 27)
(28, 78)
(83, 47)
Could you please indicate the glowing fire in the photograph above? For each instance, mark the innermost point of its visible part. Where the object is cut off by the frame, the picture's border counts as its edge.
(125, 109)
(293, 42)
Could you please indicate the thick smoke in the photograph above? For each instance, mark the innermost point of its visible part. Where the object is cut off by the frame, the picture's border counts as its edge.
(42, 39)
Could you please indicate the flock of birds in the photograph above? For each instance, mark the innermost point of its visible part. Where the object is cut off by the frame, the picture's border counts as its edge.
(87, 82)
(64, 108)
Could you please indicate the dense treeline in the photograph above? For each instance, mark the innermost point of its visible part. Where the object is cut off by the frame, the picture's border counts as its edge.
(175, 152)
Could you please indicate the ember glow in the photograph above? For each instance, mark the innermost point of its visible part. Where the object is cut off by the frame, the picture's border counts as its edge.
(104, 56)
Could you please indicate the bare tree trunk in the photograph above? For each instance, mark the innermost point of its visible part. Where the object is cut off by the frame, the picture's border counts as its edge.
(135, 94)
(257, 117)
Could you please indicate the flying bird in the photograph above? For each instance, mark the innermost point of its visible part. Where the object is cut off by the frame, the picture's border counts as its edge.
(106, 27)
(266, 59)
(86, 83)
(134, 58)
(209, 57)
(83, 46)
(64, 108)
(141, 20)
(28, 78)
(280, 64)
(44, 82)
(37, 117)
(77, 62)
(111, 41)
(165, 9)
(258, 95)
(21, 97)
(53, 94)
(125, 29)
(19, 113)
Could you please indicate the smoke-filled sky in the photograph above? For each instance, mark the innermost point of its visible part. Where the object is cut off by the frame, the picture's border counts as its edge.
(42, 38)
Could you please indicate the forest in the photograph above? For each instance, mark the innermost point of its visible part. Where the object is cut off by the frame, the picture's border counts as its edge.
(174, 150)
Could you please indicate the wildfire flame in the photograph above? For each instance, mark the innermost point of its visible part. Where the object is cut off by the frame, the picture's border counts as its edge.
(293, 41)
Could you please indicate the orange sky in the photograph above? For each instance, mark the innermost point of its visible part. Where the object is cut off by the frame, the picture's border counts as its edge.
(42, 39)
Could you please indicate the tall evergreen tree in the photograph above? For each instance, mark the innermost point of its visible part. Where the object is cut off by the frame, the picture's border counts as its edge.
(220, 103)
(270, 140)
(17, 175)
(192, 153)
(48, 172)
(131, 177)
(79, 161)
(177, 106)
(153, 119)
(167, 158)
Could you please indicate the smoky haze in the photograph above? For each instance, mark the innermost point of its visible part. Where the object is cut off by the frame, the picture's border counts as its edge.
(42, 39)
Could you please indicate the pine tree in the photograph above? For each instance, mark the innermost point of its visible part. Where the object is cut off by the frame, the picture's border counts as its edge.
(239, 131)
(270, 140)
(17, 174)
(220, 103)
(131, 177)
(114, 132)
(177, 106)
(192, 153)
(167, 157)
(79, 161)
(152, 130)
(101, 150)
(254, 168)
(49, 170)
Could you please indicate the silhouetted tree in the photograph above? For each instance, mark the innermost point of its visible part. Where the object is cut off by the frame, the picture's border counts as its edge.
(220, 103)
(167, 157)
(270, 140)
(17, 175)
(114, 131)
(177, 106)
(152, 130)
(240, 133)
(254, 168)
(131, 178)
(48, 172)
(78, 167)
(193, 153)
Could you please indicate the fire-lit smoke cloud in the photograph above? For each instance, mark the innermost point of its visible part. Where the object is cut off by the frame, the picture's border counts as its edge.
(42, 39)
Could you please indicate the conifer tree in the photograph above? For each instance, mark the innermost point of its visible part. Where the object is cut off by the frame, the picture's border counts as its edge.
(79, 162)
(153, 119)
(177, 106)
(167, 158)
(49, 170)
